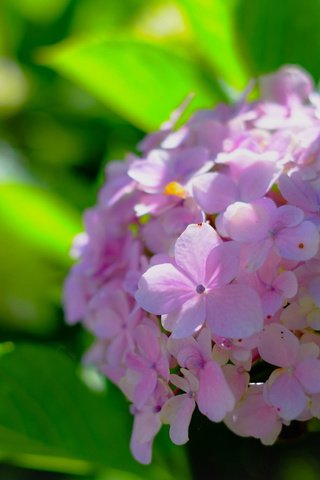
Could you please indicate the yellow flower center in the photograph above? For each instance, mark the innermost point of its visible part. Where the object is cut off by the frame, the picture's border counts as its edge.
(174, 188)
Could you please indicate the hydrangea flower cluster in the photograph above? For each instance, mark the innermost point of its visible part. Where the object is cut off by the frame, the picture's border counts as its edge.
(200, 267)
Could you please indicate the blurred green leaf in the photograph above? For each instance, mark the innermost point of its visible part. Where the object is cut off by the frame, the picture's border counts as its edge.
(27, 289)
(36, 230)
(38, 10)
(212, 23)
(47, 415)
(274, 33)
(13, 87)
(39, 218)
(112, 14)
(142, 82)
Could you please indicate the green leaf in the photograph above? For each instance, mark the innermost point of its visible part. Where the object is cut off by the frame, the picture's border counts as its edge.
(39, 11)
(39, 218)
(212, 23)
(50, 419)
(142, 82)
(273, 33)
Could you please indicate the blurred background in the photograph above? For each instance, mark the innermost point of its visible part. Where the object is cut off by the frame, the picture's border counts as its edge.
(81, 82)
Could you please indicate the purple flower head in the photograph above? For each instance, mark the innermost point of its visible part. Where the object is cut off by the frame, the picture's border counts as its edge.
(200, 264)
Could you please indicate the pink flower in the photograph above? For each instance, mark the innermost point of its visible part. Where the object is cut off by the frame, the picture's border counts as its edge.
(253, 417)
(196, 287)
(288, 387)
(162, 167)
(212, 235)
(148, 364)
(248, 177)
(267, 227)
(214, 396)
(147, 423)
(178, 410)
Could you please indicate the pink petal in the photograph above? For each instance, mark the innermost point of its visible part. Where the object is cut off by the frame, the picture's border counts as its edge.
(117, 349)
(105, 323)
(136, 362)
(248, 222)
(298, 243)
(189, 318)
(278, 346)
(298, 192)
(76, 294)
(149, 172)
(253, 255)
(186, 384)
(163, 289)
(190, 358)
(271, 302)
(237, 380)
(148, 342)
(146, 426)
(215, 398)
(193, 247)
(145, 388)
(308, 374)
(288, 216)
(113, 373)
(204, 341)
(163, 368)
(256, 179)
(179, 382)
(234, 311)
(222, 264)
(192, 380)
(214, 192)
(286, 394)
(186, 163)
(178, 411)
(287, 283)
(254, 417)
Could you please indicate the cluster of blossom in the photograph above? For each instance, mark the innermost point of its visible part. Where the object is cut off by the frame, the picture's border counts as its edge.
(200, 267)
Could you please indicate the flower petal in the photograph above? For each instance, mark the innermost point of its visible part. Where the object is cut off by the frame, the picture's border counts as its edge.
(177, 411)
(248, 222)
(222, 264)
(257, 178)
(278, 346)
(214, 191)
(234, 311)
(189, 318)
(193, 247)
(286, 394)
(254, 417)
(308, 374)
(144, 388)
(148, 342)
(215, 398)
(163, 289)
(146, 426)
(298, 243)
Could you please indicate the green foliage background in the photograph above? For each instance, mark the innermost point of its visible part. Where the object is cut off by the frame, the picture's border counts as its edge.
(81, 81)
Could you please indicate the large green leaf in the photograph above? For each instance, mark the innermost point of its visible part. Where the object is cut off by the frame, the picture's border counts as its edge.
(38, 11)
(39, 218)
(142, 82)
(274, 33)
(50, 419)
(212, 23)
